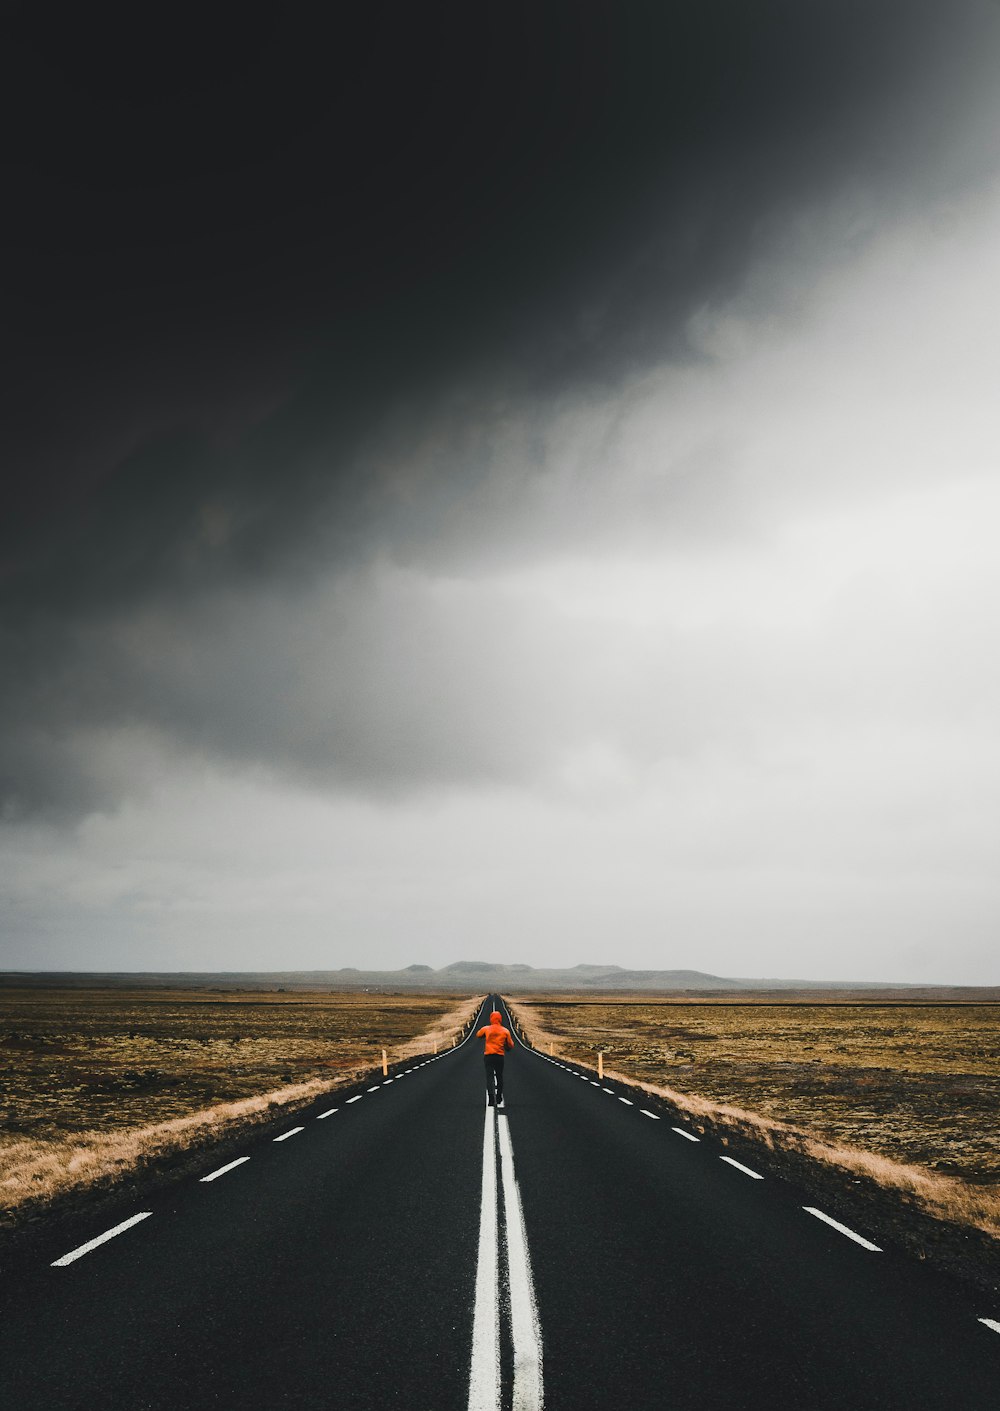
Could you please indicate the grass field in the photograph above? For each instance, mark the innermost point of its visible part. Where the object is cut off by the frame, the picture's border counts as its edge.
(917, 1087)
(918, 1084)
(93, 1082)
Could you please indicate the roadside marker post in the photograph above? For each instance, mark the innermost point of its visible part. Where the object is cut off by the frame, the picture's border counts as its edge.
(385, 1065)
(600, 1065)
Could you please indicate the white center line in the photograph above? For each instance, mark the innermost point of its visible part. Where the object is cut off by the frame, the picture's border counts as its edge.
(223, 1169)
(484, 1373)
(991, 1323)
(285, 1135)
(627, 1100)
(328, 1113)
(649, 1114)
(101, 1239)
(523, 1309)
(356, 1099)
(681, 1133)
(858, 1239)
(740, 1167)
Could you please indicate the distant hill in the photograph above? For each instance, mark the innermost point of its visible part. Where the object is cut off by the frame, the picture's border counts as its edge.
(475, 976)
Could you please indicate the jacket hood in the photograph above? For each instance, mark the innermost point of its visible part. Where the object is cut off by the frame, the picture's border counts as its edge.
(496, 1017)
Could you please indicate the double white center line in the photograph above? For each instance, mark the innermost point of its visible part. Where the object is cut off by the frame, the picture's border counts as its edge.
(484, 1374)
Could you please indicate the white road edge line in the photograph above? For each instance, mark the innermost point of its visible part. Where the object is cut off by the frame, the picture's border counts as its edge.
(740, 1167)
(829, 1220)
(285, 1135)
(484, 1371)
(681, 1133)
(328, 1113)
(649, 1114)
(991, 1323)
(223, 1169)
(101, 1239)
(523, 1309)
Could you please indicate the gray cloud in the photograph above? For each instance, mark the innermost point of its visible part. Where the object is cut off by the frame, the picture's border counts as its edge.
(563, 242)
(600, 510)
(426, 643)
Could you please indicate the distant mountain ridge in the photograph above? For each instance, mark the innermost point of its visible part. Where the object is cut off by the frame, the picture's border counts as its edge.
(470, 975)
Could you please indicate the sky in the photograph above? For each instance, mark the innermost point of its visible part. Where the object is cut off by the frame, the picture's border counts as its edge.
(511, 482)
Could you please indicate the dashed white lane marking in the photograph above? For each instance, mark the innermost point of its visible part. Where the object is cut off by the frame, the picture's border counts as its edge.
(375, 1088)
(101, 1239)
(991, 1323)
(608, 1090)
(681, 1133)
(484, 1373)
(593, 1082)
(523, 1309)
(851, 1235)
(627, 1100)
(740, 1167)
(328, 1113)
(649, 1114)
(356, 1099)
(285, 1135)
(387, 1082)
(223, 1169)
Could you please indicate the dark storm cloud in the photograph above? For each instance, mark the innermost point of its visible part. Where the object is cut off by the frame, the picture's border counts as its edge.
(207, 223)
(246, 266)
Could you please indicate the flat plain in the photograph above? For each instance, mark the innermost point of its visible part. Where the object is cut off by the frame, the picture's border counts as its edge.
(96, 1081)
(918, 1083)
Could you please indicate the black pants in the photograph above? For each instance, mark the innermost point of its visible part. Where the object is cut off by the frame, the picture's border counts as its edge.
(494, 1077)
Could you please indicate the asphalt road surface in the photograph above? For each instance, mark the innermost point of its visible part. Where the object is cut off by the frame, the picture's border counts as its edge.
(405, 1246)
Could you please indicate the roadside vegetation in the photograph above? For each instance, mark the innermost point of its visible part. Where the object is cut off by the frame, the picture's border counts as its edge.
(906, 1095)
(98, 1084)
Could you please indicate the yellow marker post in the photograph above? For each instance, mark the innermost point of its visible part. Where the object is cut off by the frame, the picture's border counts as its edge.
(600, 1065)
(385, 1065)
(550, 1050)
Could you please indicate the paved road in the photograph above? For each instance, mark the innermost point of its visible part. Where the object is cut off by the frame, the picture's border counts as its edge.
(385, 1256)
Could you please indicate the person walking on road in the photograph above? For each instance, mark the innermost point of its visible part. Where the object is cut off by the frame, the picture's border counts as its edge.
(498, 1040)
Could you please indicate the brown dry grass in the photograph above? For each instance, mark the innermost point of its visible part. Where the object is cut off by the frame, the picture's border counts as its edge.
(903, 1094)
(96, 1083)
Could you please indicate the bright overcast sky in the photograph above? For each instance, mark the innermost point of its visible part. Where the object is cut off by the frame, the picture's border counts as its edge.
(541, 507)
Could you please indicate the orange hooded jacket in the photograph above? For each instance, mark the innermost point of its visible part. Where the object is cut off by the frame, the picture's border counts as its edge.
(497, 1037)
